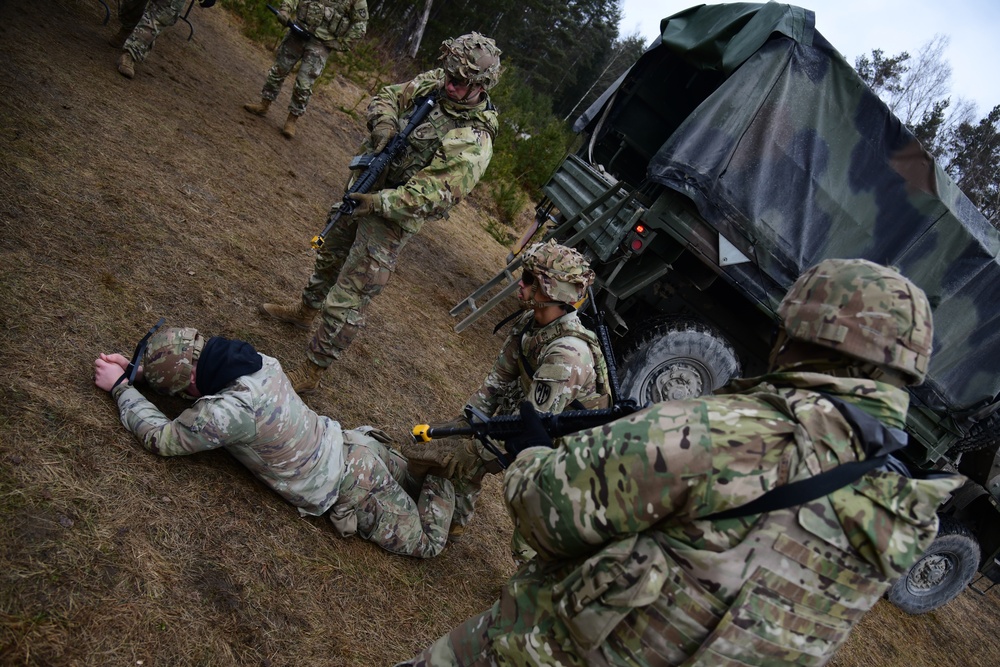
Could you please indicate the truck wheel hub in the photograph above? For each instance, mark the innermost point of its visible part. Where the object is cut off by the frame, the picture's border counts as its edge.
(930, 572)
(679, 380)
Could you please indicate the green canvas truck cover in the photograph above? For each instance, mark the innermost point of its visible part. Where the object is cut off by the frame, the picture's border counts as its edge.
(793, 159)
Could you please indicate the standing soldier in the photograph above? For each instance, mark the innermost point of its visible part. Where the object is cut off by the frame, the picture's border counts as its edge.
(129, 15)
(245, 405)
(659, 538)
(324, 26)
(445, 158)
(549, 359)
(141, 22)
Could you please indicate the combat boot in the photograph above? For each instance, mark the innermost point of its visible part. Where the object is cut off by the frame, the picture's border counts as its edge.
(119, 38)
(305, 378)
(289, 129)
(258, 109)
(126, 65)
(297, 313)
(455, 532)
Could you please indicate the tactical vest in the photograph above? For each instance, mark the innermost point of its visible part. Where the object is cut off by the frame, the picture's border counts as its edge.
(796, 586)
(561, 328)
(330, 16)
(427, 138)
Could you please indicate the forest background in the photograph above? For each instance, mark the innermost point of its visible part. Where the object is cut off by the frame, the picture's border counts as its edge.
(559, 57)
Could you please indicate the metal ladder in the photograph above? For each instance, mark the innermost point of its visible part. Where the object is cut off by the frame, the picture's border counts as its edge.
(508, 272)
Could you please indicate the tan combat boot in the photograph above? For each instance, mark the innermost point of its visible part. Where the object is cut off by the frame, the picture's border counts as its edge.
(258, 109)
(297, 313)
(305, 378)
(126, 65)
(119, 38)
(289, 129)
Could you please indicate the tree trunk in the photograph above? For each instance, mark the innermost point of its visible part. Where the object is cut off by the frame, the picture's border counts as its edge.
(419, 34)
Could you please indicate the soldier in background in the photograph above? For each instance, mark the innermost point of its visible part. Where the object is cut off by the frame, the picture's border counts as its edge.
(658, 540)
(332, 25)
(245, 404)
(141, 22)
(443, 162)
(549, 359)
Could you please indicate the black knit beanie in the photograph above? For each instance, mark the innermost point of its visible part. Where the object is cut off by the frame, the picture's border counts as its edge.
(222, 361)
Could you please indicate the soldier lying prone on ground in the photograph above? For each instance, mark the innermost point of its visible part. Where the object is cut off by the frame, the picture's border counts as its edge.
(245, 404)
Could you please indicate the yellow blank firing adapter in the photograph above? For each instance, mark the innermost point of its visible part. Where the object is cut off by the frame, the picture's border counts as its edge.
(421, 432)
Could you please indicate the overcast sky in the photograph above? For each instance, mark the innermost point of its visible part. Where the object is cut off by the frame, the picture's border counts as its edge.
(855, 27)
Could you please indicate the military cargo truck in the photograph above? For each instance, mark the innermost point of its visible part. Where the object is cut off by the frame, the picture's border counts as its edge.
(739, 150)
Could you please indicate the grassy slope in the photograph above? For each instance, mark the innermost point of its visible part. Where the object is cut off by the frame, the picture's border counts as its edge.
(123, 201)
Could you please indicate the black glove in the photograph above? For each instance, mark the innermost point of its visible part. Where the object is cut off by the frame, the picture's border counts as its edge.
(532, 434)
(206, 3)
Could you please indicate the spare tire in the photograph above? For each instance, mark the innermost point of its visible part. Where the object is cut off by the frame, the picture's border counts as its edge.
(672, 359)
(943, 572)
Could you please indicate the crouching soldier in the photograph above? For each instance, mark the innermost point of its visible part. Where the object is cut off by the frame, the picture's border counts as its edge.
(549, 359)
(245, 404)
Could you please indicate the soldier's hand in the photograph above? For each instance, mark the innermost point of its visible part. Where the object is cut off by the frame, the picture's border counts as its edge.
(283, 18)
(116, 359)
(106, 374)
(365, 203)
(533, 433)
(381, 134)
(465, 462)
(427, 457)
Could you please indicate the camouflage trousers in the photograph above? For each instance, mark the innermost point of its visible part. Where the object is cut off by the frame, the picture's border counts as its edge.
(158, 15)
(353, 267)
(523, 628)
(467, 492)
(468, 645)
(375, 501)
(130, 12)
(313, 55)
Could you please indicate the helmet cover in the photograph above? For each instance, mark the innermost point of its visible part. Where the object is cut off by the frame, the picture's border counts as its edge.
(473, 58)
(563, 272)
(862, 310)
(170, 357)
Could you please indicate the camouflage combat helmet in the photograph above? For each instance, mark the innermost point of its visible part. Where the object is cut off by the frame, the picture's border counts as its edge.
(170, 356)
(563, 272)
(862, 310)
(474, 58)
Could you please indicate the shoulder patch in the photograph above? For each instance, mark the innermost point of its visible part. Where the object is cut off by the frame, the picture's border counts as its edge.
(543, 392)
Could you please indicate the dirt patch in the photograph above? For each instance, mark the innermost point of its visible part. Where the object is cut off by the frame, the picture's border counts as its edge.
(123, 201)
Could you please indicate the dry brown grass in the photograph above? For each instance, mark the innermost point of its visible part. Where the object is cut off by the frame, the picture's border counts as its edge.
(124, 201)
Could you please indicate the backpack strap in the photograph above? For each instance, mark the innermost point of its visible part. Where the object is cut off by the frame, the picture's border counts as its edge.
(878, 442)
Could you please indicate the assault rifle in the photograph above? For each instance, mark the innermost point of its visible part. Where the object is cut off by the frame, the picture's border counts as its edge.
(374, 165)
(503, 427)
(294, 26)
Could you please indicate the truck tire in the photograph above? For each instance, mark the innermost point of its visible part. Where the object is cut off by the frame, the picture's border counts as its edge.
(943, 572)
(982, 435)
(674, 359)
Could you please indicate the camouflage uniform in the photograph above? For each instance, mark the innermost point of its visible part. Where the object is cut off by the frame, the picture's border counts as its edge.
(306, 458)
(555, 367)
(157, 16)
(633, 570)
(446, 158)
(130, 13)
(336, 24)
(552, 367)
